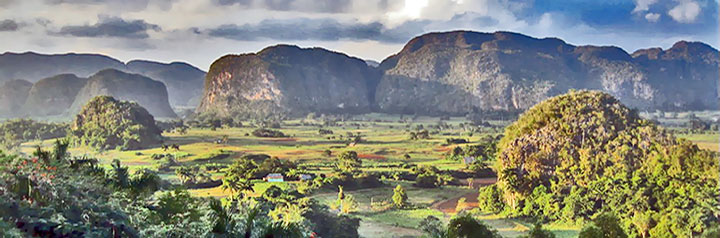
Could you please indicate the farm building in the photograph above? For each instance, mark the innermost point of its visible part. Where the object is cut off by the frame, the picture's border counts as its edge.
(275, 177)
(469, 159)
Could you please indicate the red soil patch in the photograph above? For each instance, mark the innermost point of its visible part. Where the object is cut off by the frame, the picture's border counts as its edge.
(448, 206)
(443, 149)
(371, 156)
(297, 152)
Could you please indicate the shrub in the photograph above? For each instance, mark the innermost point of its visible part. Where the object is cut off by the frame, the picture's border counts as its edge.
(263, 132)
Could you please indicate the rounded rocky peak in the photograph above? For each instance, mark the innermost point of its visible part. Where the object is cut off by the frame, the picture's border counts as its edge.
(611, 53)
(692, 51)
(651, 53)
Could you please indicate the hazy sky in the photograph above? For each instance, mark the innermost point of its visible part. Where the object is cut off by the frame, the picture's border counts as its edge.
(198, 32)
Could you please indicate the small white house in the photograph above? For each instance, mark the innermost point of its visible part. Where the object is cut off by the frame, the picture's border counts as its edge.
(275, 177)
(469, 160)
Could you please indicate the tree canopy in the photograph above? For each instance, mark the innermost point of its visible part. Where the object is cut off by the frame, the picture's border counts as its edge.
(584, 153)
(106, 123)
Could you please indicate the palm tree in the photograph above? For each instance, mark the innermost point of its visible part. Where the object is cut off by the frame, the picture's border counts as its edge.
(231, 183)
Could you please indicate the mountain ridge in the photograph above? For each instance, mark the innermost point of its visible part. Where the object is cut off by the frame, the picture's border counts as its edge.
(183, 80)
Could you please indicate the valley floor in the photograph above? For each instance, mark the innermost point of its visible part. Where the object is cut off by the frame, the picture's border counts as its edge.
(385, 141)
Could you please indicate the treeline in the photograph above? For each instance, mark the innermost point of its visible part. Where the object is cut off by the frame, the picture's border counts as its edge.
(14, 132)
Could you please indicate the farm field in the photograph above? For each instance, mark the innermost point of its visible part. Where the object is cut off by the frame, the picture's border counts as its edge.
(385, 143)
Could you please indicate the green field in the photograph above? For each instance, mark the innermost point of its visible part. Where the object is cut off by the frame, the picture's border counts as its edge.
(385, 141)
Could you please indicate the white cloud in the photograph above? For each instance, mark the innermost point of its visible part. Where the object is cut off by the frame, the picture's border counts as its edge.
(652, 17)
(643, 5)
(685, 12)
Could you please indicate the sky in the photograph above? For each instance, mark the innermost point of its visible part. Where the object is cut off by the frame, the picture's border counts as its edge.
(200, 31)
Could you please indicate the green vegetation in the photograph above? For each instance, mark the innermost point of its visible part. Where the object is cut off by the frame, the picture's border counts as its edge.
(578, 155)
(399, 197)
(105, 123)
(220, 159)
(461, 226)
(57, 195)
(14, 132)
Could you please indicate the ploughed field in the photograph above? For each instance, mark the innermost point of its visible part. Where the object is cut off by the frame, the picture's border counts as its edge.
(383, 148)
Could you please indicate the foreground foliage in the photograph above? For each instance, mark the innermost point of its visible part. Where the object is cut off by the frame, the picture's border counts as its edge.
(578, 155)
(17, 131)
(53, 194)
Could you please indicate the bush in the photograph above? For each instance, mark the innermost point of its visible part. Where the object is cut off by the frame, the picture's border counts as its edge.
(490, 199)
(426, 181)
(263, 132)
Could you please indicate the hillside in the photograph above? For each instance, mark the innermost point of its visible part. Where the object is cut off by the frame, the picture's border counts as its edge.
(107, 123)
(32, 66)
(13, 94)
(150, 94)
(458, 72)
(184, 81)
(287, 79)
(580, 154)
(53, 95)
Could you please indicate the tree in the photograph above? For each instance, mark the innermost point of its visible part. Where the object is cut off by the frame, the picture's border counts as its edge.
(538, 232)
(348, 205)
(348, 162)
(465, 226)
(236, 185)
(432, 226)
(606, 225)
(399, 197)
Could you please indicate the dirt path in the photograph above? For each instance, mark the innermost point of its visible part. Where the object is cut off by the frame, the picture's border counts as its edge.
(448, 206)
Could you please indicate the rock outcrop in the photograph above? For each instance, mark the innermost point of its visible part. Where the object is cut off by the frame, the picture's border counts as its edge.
(289, 80)
(107, 123)
(148, 93)
(460, 72)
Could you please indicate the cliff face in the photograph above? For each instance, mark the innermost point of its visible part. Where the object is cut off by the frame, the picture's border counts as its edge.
(184, 81)
(53, 96)
(459, 72)
(13, 94)
(288, 79)
(148, 93)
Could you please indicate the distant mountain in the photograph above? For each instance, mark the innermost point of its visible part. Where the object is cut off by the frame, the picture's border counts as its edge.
(32, 66)
(461, 71)
(53, 95)
(184, 81)
(13, 94)
(148, 93)
(288, 79)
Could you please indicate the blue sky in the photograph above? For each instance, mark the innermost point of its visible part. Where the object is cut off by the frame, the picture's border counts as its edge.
(199, 32)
